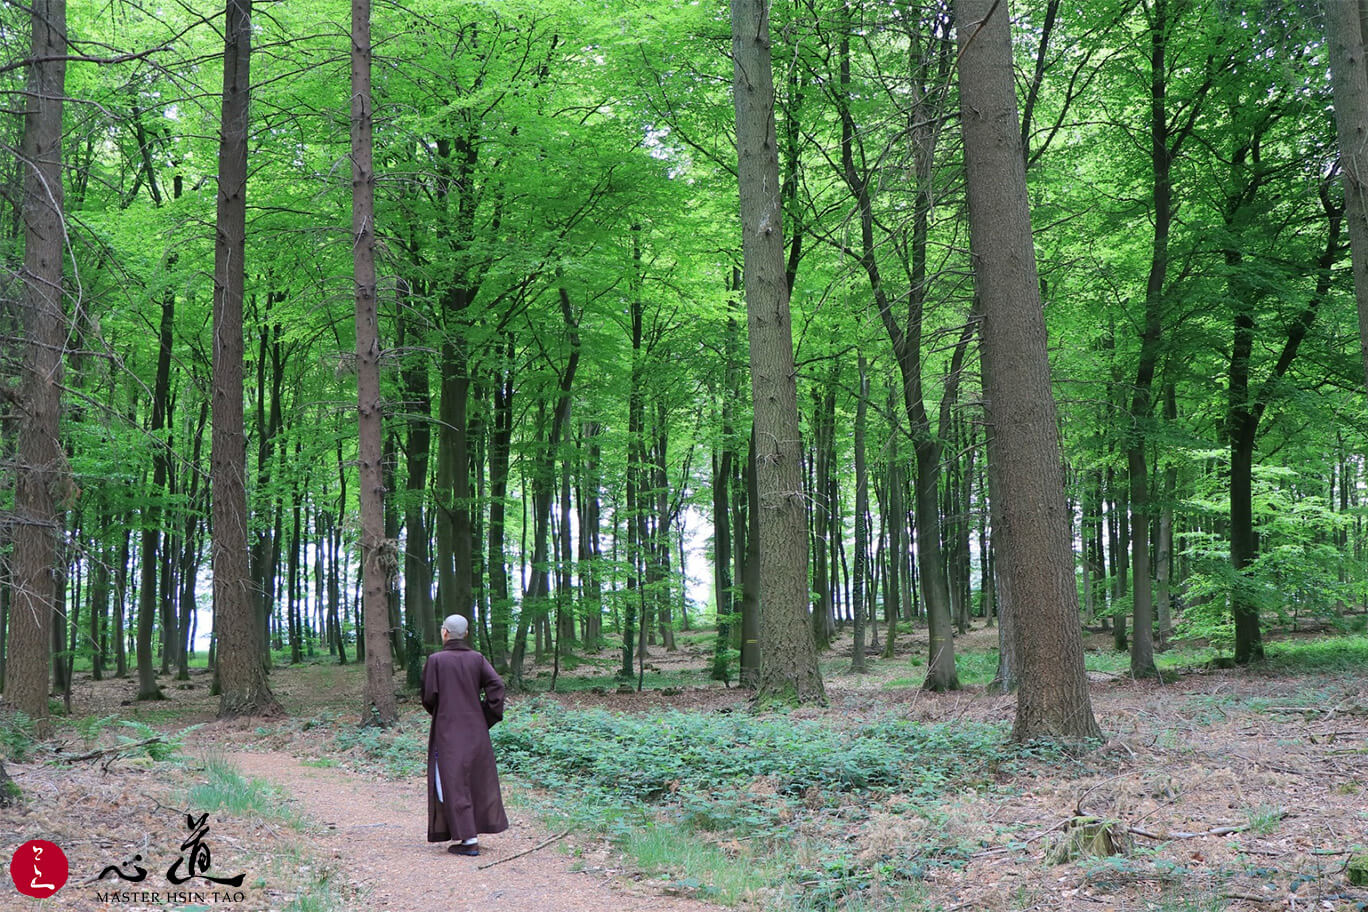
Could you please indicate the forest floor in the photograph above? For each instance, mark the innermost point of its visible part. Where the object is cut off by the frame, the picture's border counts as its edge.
(1219, 789)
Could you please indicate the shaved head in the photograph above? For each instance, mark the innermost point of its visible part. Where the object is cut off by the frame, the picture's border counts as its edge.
(456, 626)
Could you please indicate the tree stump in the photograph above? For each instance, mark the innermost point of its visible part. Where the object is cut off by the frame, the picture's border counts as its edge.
(9, 792)
(1089, 836)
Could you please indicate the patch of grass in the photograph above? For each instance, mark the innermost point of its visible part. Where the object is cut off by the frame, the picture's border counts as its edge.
(224, 788)
(976, 667)
(1328, 655)
(695, 865)
(1263, 820)
(314, 884)
(319, 762)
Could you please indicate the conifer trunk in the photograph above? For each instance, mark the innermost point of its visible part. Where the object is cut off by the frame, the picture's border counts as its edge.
(242, 677)
(1037, 556)
(41, 474)
(376, 557)
(788, 657)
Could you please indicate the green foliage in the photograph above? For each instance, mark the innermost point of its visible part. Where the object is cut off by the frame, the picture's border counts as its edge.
(18, 735)
(91, 727)
(395, 752)
(1324, 655)
(683, 784)
(647, 759)
(151, 743)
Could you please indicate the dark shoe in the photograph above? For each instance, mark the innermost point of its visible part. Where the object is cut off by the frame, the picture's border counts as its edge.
(457, 848)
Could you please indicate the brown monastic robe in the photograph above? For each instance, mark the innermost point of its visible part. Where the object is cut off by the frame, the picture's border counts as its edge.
(458, 743)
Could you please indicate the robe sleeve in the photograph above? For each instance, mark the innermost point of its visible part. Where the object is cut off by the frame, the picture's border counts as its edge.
(493, 687)
(429, 686)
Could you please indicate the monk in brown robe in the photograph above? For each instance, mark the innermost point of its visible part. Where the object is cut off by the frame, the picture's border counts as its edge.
(465, 696)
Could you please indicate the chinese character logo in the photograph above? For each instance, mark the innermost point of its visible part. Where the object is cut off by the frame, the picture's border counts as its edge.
(197, 861)
(39, 868)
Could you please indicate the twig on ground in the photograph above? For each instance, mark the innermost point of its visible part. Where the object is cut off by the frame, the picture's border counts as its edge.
(541, 845)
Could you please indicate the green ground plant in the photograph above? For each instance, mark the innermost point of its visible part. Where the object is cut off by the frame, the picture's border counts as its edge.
(656, 783)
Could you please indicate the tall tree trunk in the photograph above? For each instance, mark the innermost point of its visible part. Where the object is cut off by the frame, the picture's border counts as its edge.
(266, 544)
(377, 557)
(1052, 700)
(722, 555)
(728, 548)
(749, 674)
(292, 601)
(823, 468)
(1246, 409)
(242, 677)
(500, 444)
(1163, 548)
(907, 349)
(859, 613)
(1345, 32)
(788, 657)
(120, 602)
(543, 493)
(41, 474)
(1165, 143)
(417, 570)
(590, 513)
(454, 586)
(99, 602)
(151, 531)
(659, 576)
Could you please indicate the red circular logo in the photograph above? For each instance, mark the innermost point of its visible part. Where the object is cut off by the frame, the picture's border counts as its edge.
(39, 868)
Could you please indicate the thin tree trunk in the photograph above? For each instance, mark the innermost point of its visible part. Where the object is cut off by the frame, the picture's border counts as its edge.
(1163, 558)
(907, 348)
(417, 569)
(500, 442)
(749, 674)
(857, 593)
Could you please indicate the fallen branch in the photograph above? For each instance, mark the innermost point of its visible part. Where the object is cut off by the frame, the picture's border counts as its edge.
(116, 749)
(535, 848)
(1179, 834)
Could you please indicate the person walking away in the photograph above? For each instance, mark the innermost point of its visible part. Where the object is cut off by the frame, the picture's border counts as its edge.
(465, 697)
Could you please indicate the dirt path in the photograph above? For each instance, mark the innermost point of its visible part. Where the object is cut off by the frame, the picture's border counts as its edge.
(375, 832)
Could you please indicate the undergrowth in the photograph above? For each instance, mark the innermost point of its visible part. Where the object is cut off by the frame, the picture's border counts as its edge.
(729, 796)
